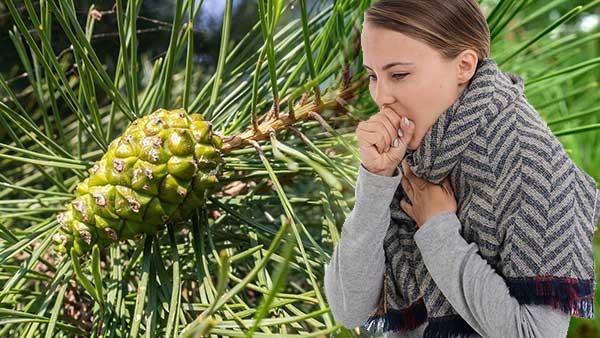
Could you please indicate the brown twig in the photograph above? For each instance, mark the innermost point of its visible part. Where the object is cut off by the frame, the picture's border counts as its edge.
(301, 112)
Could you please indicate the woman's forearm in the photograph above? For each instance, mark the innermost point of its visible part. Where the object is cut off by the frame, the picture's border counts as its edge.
(354, 276)
(477, 293)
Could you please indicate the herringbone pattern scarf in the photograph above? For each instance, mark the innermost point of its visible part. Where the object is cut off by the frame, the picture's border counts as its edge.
(525, 203)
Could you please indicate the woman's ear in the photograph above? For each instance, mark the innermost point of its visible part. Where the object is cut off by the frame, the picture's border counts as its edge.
(467, 65)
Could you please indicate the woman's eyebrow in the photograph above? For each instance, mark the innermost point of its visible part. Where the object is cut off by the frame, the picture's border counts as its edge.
(389, 65)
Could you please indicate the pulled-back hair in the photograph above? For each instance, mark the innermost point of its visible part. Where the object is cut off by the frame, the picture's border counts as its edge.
(449, 26)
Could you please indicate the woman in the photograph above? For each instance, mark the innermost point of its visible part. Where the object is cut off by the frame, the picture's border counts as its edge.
(469, 215)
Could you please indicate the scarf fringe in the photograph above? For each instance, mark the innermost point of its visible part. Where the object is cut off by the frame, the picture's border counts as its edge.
(453, 326)
(570, 295)
(394, 320)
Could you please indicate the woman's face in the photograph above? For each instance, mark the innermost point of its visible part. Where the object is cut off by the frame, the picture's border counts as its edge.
(422, 89)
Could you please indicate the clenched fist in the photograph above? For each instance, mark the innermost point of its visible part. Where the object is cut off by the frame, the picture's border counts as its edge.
(382, 141)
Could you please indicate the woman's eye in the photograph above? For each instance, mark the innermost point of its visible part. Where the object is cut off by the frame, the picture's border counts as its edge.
(398, 76)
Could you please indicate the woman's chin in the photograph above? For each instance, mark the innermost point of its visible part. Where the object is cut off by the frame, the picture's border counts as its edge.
(414, 143)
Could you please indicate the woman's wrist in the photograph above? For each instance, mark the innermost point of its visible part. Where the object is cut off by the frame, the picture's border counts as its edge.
(386, 172)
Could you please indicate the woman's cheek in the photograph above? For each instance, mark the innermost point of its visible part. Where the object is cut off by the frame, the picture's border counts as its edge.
(417, 136)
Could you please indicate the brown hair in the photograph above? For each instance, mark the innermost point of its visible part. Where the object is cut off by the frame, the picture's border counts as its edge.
(448, 26)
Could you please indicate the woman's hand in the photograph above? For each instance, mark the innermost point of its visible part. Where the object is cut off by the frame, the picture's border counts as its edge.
(382, 141)
(428, 199)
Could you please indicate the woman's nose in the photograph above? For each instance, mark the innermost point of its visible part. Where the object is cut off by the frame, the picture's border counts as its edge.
(382, 95)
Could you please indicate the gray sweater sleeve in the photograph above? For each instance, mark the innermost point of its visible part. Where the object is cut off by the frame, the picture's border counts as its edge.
(475, 290)
(354, 275)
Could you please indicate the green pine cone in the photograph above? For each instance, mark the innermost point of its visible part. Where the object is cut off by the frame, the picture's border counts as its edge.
(158, 171)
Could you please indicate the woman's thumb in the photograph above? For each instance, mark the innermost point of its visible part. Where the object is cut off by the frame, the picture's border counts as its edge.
(448, 185)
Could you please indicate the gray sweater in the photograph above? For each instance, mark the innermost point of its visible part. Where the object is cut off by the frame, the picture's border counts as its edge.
(354, 276)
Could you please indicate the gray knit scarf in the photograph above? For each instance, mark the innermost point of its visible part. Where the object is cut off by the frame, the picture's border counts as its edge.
(520, 198)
